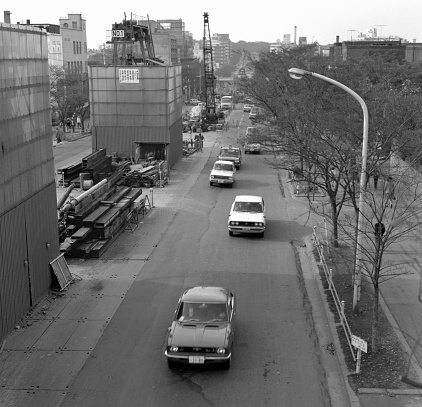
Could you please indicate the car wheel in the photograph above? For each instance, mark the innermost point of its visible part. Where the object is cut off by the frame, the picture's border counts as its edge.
(171, 364)
(211, 184)
(261, 234)
(230, 233)
(226, 365)
(231, 185)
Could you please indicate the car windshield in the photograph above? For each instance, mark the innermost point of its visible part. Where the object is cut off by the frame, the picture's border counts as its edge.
(202, 312)
(248, 207)
(230, 153)
(223, 167)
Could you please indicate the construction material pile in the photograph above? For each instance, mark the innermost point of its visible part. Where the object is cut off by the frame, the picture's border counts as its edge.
(90, 221)
(154, 174)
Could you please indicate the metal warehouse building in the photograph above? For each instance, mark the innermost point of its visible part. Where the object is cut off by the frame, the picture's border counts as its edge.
(137, 110)
(28, 214)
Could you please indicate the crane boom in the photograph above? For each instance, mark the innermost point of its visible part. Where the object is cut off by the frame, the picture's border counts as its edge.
(210, 105)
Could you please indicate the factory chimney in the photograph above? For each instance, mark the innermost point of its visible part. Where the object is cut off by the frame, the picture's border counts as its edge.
(7, 17)
(295, 35)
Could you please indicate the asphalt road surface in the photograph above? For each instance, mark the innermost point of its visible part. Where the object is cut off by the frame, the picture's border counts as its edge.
(276, 358)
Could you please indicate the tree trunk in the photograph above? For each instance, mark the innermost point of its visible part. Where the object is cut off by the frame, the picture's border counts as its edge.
(375, 319)
(335, 221)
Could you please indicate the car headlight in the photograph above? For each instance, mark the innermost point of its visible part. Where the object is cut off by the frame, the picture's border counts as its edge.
(259, 224)
(212, 176)
(174, 348)
(233, 223)
(221, 350)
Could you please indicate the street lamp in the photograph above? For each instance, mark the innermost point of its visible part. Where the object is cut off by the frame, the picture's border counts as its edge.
(297, 73)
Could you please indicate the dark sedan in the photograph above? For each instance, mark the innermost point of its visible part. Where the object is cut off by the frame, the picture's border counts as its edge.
(202, 331)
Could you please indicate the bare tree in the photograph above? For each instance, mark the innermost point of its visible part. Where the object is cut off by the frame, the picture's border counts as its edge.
(393, 213)
(319, 126)
(69, 94)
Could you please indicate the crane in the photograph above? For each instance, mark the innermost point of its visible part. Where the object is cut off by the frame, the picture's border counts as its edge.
(210, 105)
(132, 43)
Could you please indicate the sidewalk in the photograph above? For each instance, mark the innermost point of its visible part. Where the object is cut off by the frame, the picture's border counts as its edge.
(71, 136)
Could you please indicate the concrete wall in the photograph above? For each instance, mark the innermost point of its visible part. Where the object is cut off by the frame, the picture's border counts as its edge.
(136, 104)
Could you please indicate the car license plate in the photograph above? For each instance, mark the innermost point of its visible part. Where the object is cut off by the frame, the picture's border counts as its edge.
(196, 359)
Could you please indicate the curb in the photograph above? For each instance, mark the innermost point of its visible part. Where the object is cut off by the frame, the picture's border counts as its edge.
(354, 401)
(391, 392)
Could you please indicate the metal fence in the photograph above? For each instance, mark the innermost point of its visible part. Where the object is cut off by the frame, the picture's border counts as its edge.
(338, 303)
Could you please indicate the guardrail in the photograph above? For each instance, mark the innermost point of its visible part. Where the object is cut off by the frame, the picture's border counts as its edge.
(338, 303)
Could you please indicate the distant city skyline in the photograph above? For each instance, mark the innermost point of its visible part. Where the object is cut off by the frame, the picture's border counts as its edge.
(267, 21)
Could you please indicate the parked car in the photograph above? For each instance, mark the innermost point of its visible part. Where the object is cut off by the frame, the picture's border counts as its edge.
(247, 215)
(203, 327)
(247, 107)
(233, 154)
(194, 102)
(223, 173)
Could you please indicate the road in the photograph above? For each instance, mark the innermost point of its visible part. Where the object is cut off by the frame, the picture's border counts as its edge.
(276, 358)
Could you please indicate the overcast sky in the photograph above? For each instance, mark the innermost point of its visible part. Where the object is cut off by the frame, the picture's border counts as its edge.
(247, 20)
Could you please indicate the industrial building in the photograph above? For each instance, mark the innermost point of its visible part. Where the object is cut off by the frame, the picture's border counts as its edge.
(137, 111)
(136, 102)
(28, 213)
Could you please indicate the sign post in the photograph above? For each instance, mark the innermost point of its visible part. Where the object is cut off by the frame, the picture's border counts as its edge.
(361, 345)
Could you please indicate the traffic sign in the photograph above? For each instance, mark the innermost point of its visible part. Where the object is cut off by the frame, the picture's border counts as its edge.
(359, 343)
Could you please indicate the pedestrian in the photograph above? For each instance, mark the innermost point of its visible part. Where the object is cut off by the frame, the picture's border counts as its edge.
(333, 177)
(227, 124)
(68, 124)
(368, 177)
(375, 174)
(379, 230)
(58, 136)
(390, 192)
(78, 122)
(200, 141)
(72, 123)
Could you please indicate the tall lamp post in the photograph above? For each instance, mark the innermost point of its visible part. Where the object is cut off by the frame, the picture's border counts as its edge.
(297, 73)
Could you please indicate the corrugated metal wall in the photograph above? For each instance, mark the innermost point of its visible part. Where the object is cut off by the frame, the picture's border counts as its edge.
(14, 281)
(42, 239)
(29, 242)
(146, 108)
(175, 148)
(28, 214)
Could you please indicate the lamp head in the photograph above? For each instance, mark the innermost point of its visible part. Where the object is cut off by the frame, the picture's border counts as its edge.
(297, 73)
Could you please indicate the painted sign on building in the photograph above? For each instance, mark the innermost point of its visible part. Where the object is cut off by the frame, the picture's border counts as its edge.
(129, 75)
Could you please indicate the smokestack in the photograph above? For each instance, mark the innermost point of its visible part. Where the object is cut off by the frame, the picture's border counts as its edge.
(295, 34)
(337, 39)
(28, 22)
(7, 17)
